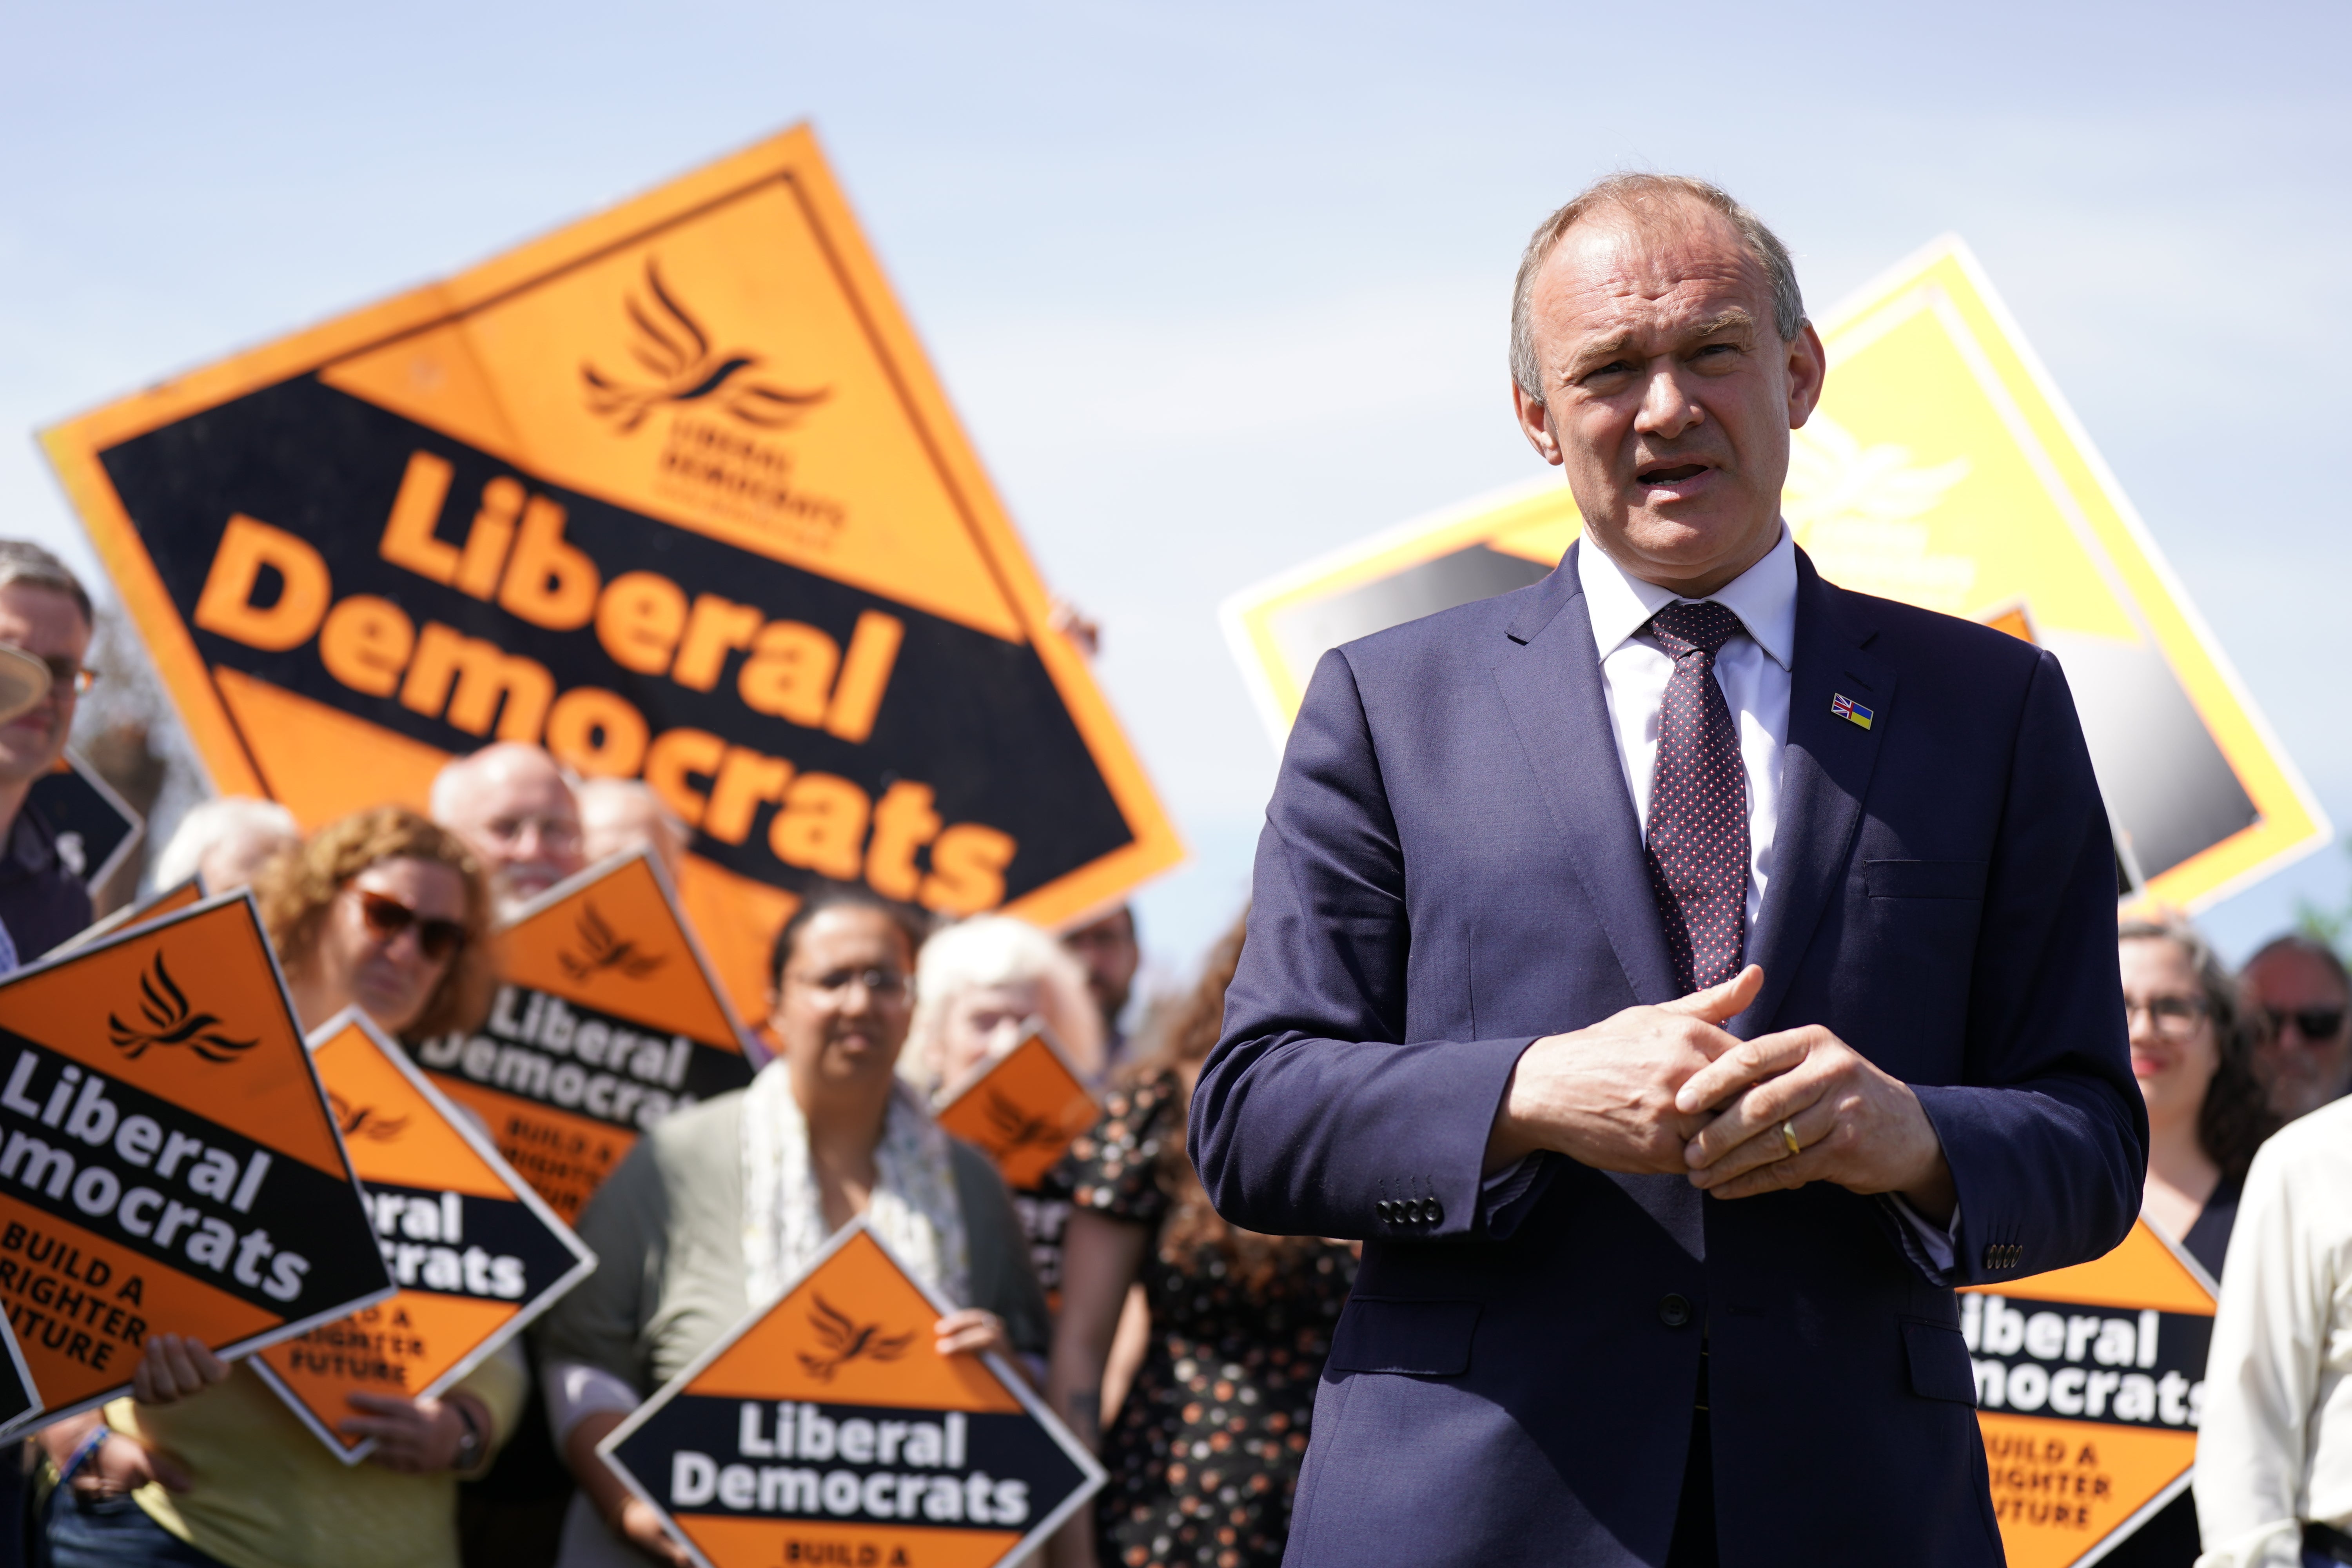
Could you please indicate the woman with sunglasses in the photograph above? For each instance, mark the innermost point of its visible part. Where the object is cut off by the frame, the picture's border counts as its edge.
(2192, 1050)
(723, 1204)
(388, 913)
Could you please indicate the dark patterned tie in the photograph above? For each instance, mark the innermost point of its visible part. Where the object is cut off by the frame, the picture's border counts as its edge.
(1697, 849)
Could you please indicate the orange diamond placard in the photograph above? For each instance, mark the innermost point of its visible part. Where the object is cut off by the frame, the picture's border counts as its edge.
(1022, 1110)
(610, 1018)
(827, 1428)
(2089, 1382)
(130, 917)
(673, 491)
(169, 1164)
(475, 1253)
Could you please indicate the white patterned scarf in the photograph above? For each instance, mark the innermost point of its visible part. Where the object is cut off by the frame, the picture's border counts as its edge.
(914, 1206)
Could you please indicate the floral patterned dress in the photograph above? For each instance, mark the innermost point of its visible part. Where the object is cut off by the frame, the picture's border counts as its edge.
(1203, 1457)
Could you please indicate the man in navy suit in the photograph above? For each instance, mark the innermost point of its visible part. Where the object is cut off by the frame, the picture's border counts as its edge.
(1682, 974)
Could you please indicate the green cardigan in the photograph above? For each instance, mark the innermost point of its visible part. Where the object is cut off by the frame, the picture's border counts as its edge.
(667, 1231)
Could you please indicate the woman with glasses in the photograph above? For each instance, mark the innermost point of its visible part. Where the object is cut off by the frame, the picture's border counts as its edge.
(722, 1205)
(980, 981)
(388, 913)
(2192, 1050)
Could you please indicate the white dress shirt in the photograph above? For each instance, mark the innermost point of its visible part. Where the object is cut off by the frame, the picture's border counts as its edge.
(2274, 1448)
(1754, 672)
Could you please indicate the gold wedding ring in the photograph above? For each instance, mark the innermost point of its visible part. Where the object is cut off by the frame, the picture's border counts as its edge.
(1789, 1136)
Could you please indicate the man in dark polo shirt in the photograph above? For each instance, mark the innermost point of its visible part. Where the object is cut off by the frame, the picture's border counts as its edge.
(44, 612)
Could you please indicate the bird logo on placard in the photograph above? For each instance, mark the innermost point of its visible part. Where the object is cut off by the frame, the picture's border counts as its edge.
(600, 948)
(364, 1121)
(1013, 1129)
(847, 1340)
(673, 348)
(172, 1021)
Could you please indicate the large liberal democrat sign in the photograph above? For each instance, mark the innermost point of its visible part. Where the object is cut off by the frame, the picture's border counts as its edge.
(672, 490)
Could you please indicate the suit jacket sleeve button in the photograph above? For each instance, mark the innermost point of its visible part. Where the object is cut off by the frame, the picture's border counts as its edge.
(1384, 1209)
(1673, 1309)
(1433, 1211)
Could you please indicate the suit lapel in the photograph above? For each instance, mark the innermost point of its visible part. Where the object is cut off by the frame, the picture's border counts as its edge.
(1825, 777)
(1550, 681)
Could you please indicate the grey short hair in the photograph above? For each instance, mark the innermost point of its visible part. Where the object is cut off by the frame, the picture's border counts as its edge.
(22, 561)
(1644, 196)
(215, 822)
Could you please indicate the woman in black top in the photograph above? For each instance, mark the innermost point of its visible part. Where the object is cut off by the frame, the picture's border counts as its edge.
(2192, 1046)
(1203, 1455)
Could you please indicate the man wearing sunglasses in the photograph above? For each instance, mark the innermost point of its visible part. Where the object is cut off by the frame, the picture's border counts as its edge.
(2299, 987)
(44, 612)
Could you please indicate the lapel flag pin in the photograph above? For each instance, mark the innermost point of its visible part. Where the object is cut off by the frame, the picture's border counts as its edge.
(1852, 712)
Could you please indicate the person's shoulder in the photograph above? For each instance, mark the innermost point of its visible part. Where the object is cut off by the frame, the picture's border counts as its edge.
(1908, 630)
(2317, 1143)
(973, 1170)
(1477, 627)
(695, 1135)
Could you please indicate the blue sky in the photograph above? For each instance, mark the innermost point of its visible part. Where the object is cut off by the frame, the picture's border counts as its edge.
(1217, 288)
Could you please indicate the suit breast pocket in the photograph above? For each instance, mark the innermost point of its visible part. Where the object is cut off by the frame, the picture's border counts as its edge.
(1418, 1338)
(1954, 881)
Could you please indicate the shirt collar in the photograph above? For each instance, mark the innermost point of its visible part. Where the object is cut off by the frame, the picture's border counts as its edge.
(1764, 598)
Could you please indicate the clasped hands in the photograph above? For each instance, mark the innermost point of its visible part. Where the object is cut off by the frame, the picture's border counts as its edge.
(1667, 1091)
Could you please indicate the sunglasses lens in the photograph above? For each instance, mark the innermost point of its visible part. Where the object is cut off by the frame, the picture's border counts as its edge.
(2319, 1026)
(384, 917)
(387, 918)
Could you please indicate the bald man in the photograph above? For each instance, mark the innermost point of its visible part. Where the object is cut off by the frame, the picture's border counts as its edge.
(618, 815)
(513, 806)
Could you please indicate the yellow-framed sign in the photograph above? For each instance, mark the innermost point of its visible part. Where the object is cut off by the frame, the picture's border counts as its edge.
(675, 492)
(1942, 468)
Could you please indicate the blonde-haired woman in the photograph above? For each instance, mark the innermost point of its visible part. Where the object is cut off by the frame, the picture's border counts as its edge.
(977, 983)
(385, 911)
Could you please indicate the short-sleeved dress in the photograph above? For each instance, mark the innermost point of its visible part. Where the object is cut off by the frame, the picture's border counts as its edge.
(1203, 1457)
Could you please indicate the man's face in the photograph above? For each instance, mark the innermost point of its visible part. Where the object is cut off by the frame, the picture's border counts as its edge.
(48, 625)
(2302, 1068)
(516, 811)
(1669, 395)
(1107, 950)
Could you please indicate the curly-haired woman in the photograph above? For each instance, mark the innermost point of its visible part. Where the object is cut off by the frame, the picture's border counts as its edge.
(385, 911)
(1204, 1454)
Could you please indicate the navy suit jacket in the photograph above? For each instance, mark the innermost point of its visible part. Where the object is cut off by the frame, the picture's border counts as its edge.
(1451, 869)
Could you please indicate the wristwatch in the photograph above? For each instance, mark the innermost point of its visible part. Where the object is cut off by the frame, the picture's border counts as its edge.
(469, 1442)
